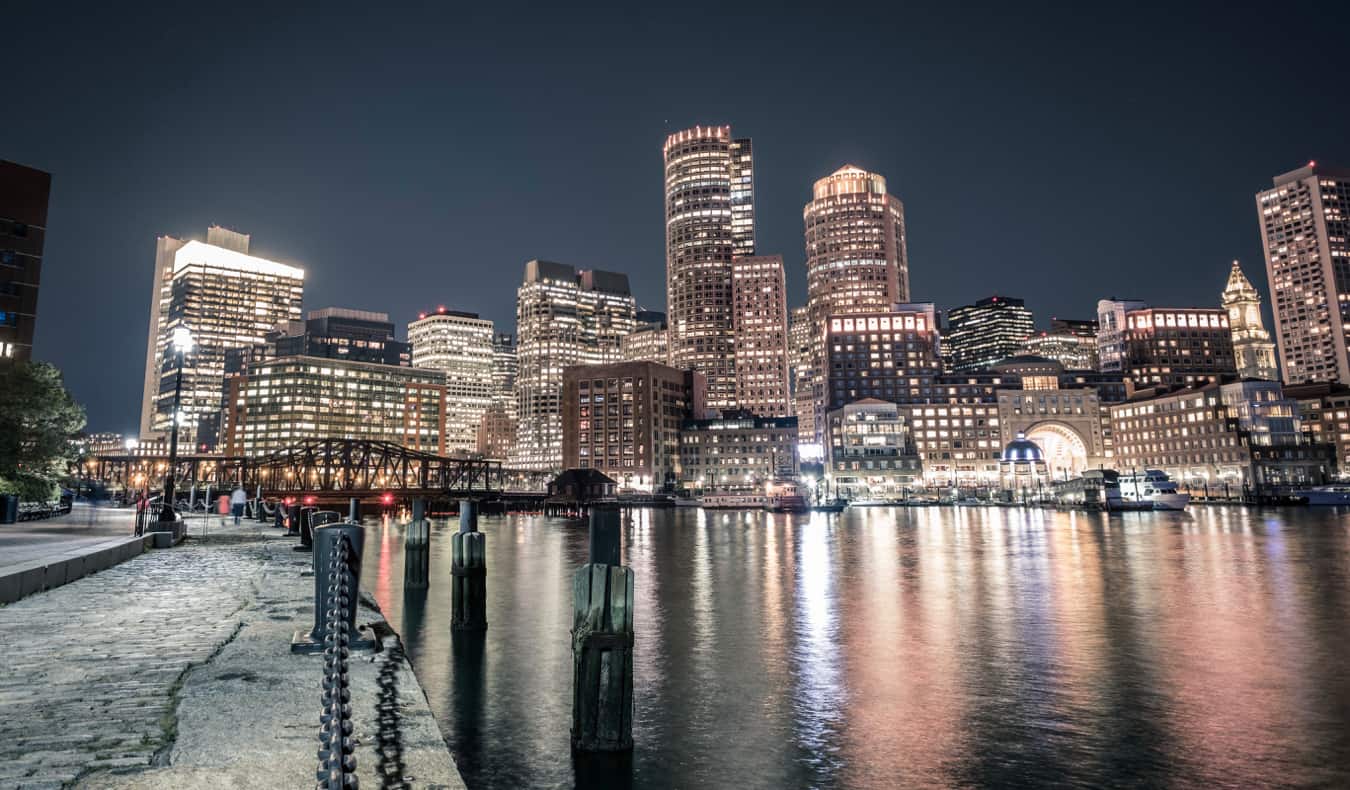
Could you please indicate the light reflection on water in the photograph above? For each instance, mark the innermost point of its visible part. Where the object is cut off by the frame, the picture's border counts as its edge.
(892, 648)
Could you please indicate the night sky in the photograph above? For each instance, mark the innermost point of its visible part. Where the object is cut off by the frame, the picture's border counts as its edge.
(409, 158)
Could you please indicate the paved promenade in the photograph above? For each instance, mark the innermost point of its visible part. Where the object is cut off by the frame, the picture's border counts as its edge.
(173, 670)
(85, 526)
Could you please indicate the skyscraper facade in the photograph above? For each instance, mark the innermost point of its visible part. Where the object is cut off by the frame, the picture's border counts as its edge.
(1305, 231)
(759, 297)
(23, 230)
(564, 317)
(227, 299)
(709, 219)
(460, 345)
(1111, 332)
(980, 334)
(1177, 347)
(800, 338)
(1252, 347)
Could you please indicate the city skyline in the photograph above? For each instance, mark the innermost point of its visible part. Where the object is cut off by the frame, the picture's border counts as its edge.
(297, 181)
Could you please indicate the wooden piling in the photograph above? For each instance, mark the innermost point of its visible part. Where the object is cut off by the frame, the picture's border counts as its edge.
(468, 568)
(602, 642)
(354, 510)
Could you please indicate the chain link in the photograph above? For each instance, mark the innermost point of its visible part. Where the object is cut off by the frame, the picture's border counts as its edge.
(337, 761)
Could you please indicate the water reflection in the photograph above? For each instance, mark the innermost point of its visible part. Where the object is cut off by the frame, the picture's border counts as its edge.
(931, 647)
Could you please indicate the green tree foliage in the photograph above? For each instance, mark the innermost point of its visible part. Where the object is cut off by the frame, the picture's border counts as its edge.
(38, 424)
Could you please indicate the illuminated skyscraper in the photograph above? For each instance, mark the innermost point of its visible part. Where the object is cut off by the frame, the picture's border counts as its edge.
(1305, 230)
(980, 334)
(1252, 348)
(228, 299)
(759, 296)
(856, 262)
(649, 341)
(1177, 347)
(564, 317)
(23, 228)
(710, 218)
(800, 337)
(459, 345)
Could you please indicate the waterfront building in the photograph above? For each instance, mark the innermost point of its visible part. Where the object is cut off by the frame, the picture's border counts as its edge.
(738, 450)
(1177, 347)
(624, 420)
(869, 452)
(1066, 424)
(888, 356)
(759, 299)
(24, 194)
(1111, 332)
(227, 299)
(1071, 343)
(497, 432)
(278, 402)
(564, 317)
(980, 334)
(649, 341)
(1252, 348)
(460, 345)
(1238, 434)
(1305, 232)
(1324, 413)
(709, 202)
(959, 443)
(1022, 468)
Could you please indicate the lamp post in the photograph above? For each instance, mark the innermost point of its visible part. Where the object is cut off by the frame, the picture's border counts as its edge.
(182, 346)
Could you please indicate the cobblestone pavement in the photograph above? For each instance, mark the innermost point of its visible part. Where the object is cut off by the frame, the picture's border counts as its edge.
(93, 667)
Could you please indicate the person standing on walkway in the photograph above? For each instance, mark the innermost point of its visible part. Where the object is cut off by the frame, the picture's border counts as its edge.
(237, 500)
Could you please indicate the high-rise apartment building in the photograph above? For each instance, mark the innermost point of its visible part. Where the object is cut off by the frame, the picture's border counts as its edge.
(1177, 347)
(709, 219)
(564, 317)
(759, 297)
(460, 345)
(1305, 230)
(23, 229)
(227, 299)
(1252, 347)
(981, 334)
(1111, 332)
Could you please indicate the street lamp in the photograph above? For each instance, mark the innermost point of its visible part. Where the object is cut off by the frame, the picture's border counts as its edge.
(181, 342)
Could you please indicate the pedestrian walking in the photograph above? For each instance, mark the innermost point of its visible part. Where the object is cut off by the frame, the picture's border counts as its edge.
(237, 501)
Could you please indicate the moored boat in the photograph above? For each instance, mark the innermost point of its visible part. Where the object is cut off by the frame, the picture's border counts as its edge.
(1152, 486)
(1326, 495)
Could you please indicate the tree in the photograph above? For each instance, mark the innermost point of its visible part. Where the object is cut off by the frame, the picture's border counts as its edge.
(38, 423)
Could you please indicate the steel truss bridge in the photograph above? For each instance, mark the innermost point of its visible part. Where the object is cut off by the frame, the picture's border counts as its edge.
(338, 468)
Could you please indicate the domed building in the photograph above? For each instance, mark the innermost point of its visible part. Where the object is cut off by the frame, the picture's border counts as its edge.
(1022, 466)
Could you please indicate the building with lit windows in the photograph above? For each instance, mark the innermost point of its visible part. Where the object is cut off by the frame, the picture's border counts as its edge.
(737, 451)
(1073, 344)
(759, 299)
(1066, 424)
(23, 229)
(960, 444)
(1111, 332)
(460, 345)
(227, 299)
(1324, 412)
(497, 432)
(889, 356)
(276, 403)
(624, 420)
(1253, 350)
(505, 368)
(869, 453)
(1174, 347)
(564, 317)
(710, 219)
(1305, 231)
(1245, 435)
(800, 335)
(981, 334)
(649, 341)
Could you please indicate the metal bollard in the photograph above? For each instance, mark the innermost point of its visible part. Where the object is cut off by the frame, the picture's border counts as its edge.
(280, 515)
(354, 510)
(326, 539)
(292, 520)
(321, 517)
(306, 529)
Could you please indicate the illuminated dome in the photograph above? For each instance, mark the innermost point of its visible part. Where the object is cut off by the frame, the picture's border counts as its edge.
(1022, 450)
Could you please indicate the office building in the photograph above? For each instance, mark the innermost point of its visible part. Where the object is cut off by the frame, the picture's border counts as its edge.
(1305, 232)
(279, 402)
(889, 356)
(505, 368)
(1324, 413)
(23, 230)
(1253, 351)
(1177, 347)
(960, 444)
(227, 299)
(801, 338)
(981, 334)
(1243, 435)
(564, 317)
(1071, 343)
(759, 299)
(460, 345)
(497, 432)
(1111, 332)
(737, 451)
(869, 453)
(709, 219)
(649, 341)
(624, 419)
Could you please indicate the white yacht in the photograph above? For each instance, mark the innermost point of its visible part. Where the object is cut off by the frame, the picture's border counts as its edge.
(1152, 485)
(1327, 495)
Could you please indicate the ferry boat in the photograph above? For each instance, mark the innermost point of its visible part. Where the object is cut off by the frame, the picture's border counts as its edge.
(1152, 485)
(1096, 489)
(1327, 495)
(785, 497)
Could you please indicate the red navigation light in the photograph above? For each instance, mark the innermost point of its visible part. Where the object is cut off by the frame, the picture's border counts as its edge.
(309, 500)
(420, 316)
(1312, 163)
(290, 500)
(440, 308)
(387, 499)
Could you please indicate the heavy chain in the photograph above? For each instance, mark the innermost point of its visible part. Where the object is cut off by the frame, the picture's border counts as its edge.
(337, 762)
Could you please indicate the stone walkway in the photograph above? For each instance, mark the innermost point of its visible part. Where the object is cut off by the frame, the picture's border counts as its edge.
(102, 673)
